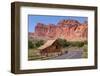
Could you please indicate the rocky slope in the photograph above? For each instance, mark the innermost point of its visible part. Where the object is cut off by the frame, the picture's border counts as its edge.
(66, 29)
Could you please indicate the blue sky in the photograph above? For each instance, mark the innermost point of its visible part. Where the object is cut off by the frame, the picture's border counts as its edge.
(34, 19)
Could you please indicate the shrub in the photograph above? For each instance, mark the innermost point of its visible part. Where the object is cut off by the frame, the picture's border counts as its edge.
(63, 42)
(85, 42)
(77, 44)
(30, 44)
(39, 43)
(35, 44)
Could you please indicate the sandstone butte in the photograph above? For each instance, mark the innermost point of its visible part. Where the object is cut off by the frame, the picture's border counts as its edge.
(71, 30)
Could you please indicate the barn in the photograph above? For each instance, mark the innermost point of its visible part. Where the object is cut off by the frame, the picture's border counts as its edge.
(50, 48)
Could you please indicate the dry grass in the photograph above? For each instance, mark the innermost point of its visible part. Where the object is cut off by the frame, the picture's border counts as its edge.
(85, 51)
(33, 54)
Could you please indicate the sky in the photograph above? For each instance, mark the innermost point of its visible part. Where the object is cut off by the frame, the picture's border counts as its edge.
(34, 19)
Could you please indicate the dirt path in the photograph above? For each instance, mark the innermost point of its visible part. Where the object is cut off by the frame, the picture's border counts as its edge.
(71, 55)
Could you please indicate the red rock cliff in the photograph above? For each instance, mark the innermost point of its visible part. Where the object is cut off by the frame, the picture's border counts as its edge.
(67, 29)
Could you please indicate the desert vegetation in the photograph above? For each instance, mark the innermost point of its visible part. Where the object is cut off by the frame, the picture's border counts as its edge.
(35, 44)
(85, 51)
(65, 43)
(33, 53)
(32, 49)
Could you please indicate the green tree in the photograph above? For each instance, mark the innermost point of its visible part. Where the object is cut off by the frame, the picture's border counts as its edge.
(39, 43)
(35, 43)
(63, 42)
(30, 44)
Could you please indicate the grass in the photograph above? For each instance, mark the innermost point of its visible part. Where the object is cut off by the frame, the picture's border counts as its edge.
(33, 53)
(85, 51)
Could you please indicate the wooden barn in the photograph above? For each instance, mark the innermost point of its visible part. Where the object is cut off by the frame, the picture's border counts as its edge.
(50, 48)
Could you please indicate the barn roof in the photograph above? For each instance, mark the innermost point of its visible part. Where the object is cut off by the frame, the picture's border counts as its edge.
(47, 44)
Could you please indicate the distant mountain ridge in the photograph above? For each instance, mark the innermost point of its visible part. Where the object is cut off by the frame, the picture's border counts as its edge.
(71, 30)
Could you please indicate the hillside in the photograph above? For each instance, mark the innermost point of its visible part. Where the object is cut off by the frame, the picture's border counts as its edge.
(71, 30)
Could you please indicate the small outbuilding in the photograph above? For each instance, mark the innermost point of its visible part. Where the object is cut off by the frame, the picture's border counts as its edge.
(50, 48)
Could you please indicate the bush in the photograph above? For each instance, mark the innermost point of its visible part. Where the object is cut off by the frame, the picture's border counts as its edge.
(77, 44)
(63, 42)
(35, 44)
(30, 44)
(85, 42)
(39, 43)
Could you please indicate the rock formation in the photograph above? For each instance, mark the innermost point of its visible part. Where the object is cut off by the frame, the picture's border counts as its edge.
(66, 29)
